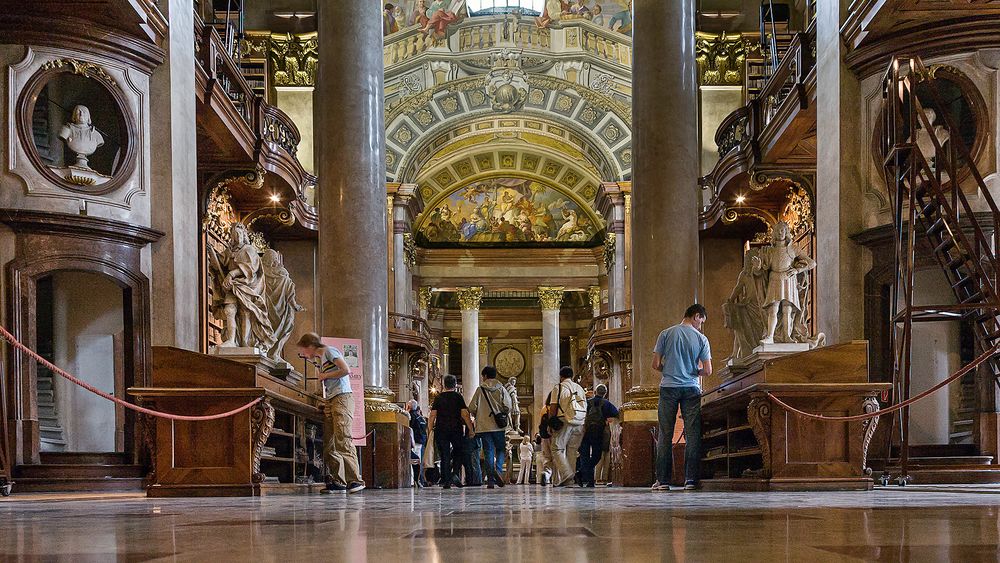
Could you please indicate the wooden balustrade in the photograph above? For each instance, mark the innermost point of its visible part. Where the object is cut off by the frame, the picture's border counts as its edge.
(611, 329)
(407, 330)
(788, 79)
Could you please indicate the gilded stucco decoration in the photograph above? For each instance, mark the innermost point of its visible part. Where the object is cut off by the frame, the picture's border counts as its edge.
(295, 59)
(470, 298)
(82, 68)
(798, 212)
(537, 345)
(720, 58)
(409, 250)
(506, 84)
(551, 297)
(610, 241)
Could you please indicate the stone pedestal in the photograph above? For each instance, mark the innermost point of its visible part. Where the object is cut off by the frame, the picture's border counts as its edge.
(255, 357)
(390, 468)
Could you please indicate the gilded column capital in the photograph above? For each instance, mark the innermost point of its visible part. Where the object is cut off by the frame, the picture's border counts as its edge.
(594, 294)
(424, 298)
(551, 297)
(445, 342)
(537, 345)
(484, 344)
(469, 298)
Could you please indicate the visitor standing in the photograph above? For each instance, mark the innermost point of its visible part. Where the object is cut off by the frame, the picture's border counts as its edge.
(491, 404)
(450, 419)
(682, 355)
(567, 403)
(596, 435)
(418, 434)
(525, 452)
(339, 454)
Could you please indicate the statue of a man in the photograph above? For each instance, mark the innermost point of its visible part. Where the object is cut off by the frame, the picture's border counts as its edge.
(515, 410)
(240, 292)
(81, 136)
(281, 303)
(782, 263)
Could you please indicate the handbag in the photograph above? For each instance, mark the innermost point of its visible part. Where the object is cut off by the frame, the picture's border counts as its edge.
(556, 423)
(502, 419)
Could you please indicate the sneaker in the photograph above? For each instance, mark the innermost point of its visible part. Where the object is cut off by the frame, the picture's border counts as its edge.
(690, 486)
(660, 487)
(490, 486)
(355, 487)
(333, 488)
(446, 487)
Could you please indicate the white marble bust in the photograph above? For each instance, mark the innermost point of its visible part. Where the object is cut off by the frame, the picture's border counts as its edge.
(81, 136)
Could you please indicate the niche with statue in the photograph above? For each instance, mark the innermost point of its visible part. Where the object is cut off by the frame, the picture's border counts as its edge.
(75, 127)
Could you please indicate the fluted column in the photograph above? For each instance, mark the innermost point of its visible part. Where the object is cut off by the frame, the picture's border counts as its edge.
(350, 155)
(665, 173)
(469, 300)
(551, 298)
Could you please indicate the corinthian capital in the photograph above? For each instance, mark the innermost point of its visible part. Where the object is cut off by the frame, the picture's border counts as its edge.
(469, 298)
(551, 298)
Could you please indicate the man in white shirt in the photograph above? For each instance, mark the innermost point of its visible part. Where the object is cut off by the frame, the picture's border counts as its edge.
(338, 447)
(567, 403)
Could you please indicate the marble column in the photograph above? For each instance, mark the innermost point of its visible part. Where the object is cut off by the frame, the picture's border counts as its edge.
(551, 298)
(350, 157)
(574, 355)
(469, 299)
(175, 282)
(403, 259)
(484, 352)
(666, 198)
(839, 196)
(538, 385)
(445, 357)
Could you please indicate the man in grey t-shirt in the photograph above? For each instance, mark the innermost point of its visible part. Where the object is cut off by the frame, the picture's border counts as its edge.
(682, 354)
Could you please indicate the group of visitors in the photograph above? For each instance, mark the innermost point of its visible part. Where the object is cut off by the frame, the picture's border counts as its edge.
(573, 434)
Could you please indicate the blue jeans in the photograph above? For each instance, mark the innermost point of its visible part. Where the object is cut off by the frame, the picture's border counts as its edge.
(689, 401)
(473, 471)
(494, 449)
(591, 450)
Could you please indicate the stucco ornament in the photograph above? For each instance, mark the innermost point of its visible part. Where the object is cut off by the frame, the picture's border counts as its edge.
(506, 84)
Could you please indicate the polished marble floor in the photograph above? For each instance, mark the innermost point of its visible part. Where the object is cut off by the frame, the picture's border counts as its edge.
(517, 523)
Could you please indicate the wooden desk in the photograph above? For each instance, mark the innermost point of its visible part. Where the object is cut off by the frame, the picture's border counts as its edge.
(751, 443)
(231, 456)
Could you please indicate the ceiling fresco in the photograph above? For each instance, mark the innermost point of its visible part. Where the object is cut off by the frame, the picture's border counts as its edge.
(508, 211)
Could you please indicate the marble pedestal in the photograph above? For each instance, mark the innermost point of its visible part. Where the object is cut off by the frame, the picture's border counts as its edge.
(389, 467)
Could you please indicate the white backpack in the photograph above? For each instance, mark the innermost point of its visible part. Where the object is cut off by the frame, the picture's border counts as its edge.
(573, 405)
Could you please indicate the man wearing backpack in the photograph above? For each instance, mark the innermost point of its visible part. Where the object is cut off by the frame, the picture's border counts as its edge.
(567, 404)
(491, 404)
(595, 428)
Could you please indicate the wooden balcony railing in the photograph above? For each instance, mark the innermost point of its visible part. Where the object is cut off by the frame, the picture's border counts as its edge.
(788, 78)
(219, 66)
(611, 329)
(410, 331)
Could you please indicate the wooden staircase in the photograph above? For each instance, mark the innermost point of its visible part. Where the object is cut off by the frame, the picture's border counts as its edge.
(925, 166)
(79, 472)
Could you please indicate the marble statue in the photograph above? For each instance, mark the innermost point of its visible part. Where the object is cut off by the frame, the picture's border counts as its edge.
(515, 409)
(281, 303)
(81, 136)
(770, 300)
(781, 263)
(415, 391)
(239, 293)
(742, 312)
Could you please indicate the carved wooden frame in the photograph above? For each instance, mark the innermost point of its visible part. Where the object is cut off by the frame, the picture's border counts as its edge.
(54, 242)
(127, 122)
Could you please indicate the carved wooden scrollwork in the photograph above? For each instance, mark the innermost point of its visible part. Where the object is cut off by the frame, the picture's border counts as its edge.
(148, 425)
(869, 406)
(759, 417)
(261, 424)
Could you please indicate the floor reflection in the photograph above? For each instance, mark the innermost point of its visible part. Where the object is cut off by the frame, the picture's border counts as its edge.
(515, 523)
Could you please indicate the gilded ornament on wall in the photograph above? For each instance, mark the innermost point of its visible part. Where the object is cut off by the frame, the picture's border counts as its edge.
(720, 58)
(295, 59)
(610, 240)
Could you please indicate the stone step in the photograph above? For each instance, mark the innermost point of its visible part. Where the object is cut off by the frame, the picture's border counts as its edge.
(73, 471)
(950, 476)
(34, 485)
(85, 458)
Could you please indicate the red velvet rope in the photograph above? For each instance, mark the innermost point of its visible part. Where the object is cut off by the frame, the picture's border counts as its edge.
(957, 375)
(10, 338)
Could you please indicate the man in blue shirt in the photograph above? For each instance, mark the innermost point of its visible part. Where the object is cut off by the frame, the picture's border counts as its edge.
(682, 354)
(595, 434)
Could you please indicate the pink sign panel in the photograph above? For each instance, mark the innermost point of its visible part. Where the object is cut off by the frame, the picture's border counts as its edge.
(351, 349)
